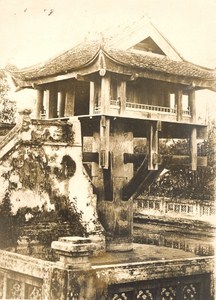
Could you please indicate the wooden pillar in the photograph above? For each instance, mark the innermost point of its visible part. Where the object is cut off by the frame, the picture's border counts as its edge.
(70, 101)
(92, 98)
(105, 94)
(178, 101)
(193, 148)
(152, 145)
(192, 105)
(62, 97)
(52, 103)
(39, 105)
(121, 92)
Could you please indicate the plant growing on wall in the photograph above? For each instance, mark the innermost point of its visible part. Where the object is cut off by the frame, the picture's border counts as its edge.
(9, 232)
(7, 106)
(42, 225)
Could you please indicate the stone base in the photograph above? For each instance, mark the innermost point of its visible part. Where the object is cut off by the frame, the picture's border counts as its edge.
(119, 247)
(74, 251)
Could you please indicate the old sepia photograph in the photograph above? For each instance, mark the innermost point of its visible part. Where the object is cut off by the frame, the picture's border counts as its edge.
(108, 149)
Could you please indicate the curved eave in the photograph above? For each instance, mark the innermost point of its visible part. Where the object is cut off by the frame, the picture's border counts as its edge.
(25, 78)
(155, 73)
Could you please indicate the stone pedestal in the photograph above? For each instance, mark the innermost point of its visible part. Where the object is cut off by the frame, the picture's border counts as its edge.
(74, 251)
(115, 214)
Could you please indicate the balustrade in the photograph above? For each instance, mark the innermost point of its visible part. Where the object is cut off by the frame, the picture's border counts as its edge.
(184, 288)
(171, 207)
(144, 107)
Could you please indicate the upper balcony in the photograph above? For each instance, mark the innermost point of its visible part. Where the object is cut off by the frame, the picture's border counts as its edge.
(146, 111)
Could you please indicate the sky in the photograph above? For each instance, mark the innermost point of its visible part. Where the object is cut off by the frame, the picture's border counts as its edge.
(32, 31)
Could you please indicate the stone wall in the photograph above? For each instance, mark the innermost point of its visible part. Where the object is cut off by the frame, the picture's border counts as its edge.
(74, 277)
(41, 162)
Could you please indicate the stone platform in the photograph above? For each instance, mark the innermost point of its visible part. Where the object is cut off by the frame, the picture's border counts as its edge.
(140, 253)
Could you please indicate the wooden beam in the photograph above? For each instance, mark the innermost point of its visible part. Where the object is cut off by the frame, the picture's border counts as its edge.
(130, 188)
(39, 105)
(144, 73)
(133, 158)
(90, 157)
(169, 160)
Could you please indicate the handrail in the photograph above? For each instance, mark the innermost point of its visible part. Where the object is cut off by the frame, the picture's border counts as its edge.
(149, 107)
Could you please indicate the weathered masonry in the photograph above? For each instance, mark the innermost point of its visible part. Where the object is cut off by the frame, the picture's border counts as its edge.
(124, 88)
(131, 87)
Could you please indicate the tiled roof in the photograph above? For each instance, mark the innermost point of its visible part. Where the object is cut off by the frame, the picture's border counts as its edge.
(84, 54)
(161, 64)
(64, 63)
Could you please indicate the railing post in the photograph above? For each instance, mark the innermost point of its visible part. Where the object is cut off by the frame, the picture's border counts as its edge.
(74, 251)
(74, 255)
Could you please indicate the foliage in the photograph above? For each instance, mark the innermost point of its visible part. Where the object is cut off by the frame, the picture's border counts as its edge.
(180, 181)
(8, 231)
(7, 107)
(39, 224)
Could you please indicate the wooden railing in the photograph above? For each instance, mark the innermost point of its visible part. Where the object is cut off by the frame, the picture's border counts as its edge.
(155, 108)
(146, 107)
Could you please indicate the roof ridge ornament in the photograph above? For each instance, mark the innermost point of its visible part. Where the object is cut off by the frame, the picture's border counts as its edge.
(102, 63)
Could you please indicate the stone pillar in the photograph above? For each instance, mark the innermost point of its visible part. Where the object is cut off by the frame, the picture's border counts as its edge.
(74, 255)
(74, 251)
(115, 214)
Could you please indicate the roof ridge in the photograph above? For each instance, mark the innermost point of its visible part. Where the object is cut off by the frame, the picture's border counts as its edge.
(53, 58)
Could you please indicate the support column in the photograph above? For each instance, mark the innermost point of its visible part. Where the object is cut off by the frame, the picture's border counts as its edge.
(52, 111)
(92, 98)
(39, 105)
(115, 215)
(178, 101)
(121, 92)
(193, 149)
(105, 94)
(152, 145)
(70, 101)
(104, 142)
(192, 105)
(62, 98)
